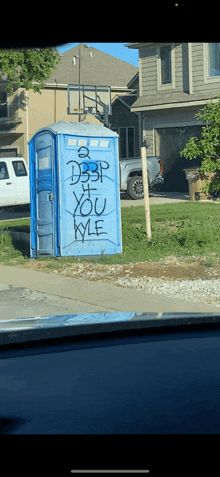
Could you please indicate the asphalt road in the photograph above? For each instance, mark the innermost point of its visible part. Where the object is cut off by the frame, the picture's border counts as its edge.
(10, 213)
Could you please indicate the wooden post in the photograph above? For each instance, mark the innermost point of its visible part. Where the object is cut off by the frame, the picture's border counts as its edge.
(146, 192)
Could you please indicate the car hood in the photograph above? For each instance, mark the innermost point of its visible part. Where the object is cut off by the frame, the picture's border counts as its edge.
(138, 162)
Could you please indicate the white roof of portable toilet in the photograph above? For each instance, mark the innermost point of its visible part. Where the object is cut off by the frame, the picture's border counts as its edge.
(79, 129)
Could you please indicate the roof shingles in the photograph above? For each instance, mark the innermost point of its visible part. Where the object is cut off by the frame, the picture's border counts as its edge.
(101, 69)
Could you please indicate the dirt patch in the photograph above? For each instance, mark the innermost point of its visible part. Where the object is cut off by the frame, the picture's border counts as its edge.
(169, 225)
(171, 268)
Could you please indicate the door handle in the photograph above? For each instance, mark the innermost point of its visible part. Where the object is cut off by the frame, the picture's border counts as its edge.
(51, 196)
(8, 183)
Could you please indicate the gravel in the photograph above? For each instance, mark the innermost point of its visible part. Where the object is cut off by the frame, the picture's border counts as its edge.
(204, 291)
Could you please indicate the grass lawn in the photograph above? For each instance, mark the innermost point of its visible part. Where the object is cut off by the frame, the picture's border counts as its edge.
(180, 229)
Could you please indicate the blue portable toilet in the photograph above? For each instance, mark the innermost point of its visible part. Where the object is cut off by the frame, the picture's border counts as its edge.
(74, 191)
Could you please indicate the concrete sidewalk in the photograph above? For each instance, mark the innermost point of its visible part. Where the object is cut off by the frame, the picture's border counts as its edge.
(28, 293)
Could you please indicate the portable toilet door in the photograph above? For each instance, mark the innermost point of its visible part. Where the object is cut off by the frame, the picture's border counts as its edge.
(42, 184)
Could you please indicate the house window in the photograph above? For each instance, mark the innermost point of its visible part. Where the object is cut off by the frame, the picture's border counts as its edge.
(126, 142)
(165, 55)
(166, 67)
(3, 104)
(213, 59)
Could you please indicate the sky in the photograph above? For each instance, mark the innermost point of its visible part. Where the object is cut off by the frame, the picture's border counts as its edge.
(115, 49)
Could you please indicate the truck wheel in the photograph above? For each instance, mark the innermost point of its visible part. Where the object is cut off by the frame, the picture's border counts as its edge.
(135, 187)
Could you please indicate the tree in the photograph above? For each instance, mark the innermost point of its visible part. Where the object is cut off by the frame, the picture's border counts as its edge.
(208, 147)
(23, 67)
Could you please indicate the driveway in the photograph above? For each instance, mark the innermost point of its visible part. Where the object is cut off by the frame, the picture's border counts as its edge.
(155, 198)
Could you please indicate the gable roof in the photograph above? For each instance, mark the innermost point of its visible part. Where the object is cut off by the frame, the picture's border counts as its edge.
(101, 69)
(133, 79)
(127, 99)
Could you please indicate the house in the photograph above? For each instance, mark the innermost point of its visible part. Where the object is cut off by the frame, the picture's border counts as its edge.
(23, 113)
(176, 80)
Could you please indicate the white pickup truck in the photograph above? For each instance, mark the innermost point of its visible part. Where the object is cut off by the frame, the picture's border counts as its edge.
(131, 179)
(14, 181)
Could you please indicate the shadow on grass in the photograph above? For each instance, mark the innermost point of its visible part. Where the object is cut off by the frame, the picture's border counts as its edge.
(22, 247)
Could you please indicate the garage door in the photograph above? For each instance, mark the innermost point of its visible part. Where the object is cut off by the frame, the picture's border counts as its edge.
(172, 141)
(8, 152)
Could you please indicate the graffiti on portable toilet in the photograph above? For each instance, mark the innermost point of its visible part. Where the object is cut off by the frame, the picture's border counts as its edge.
(87, 203)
